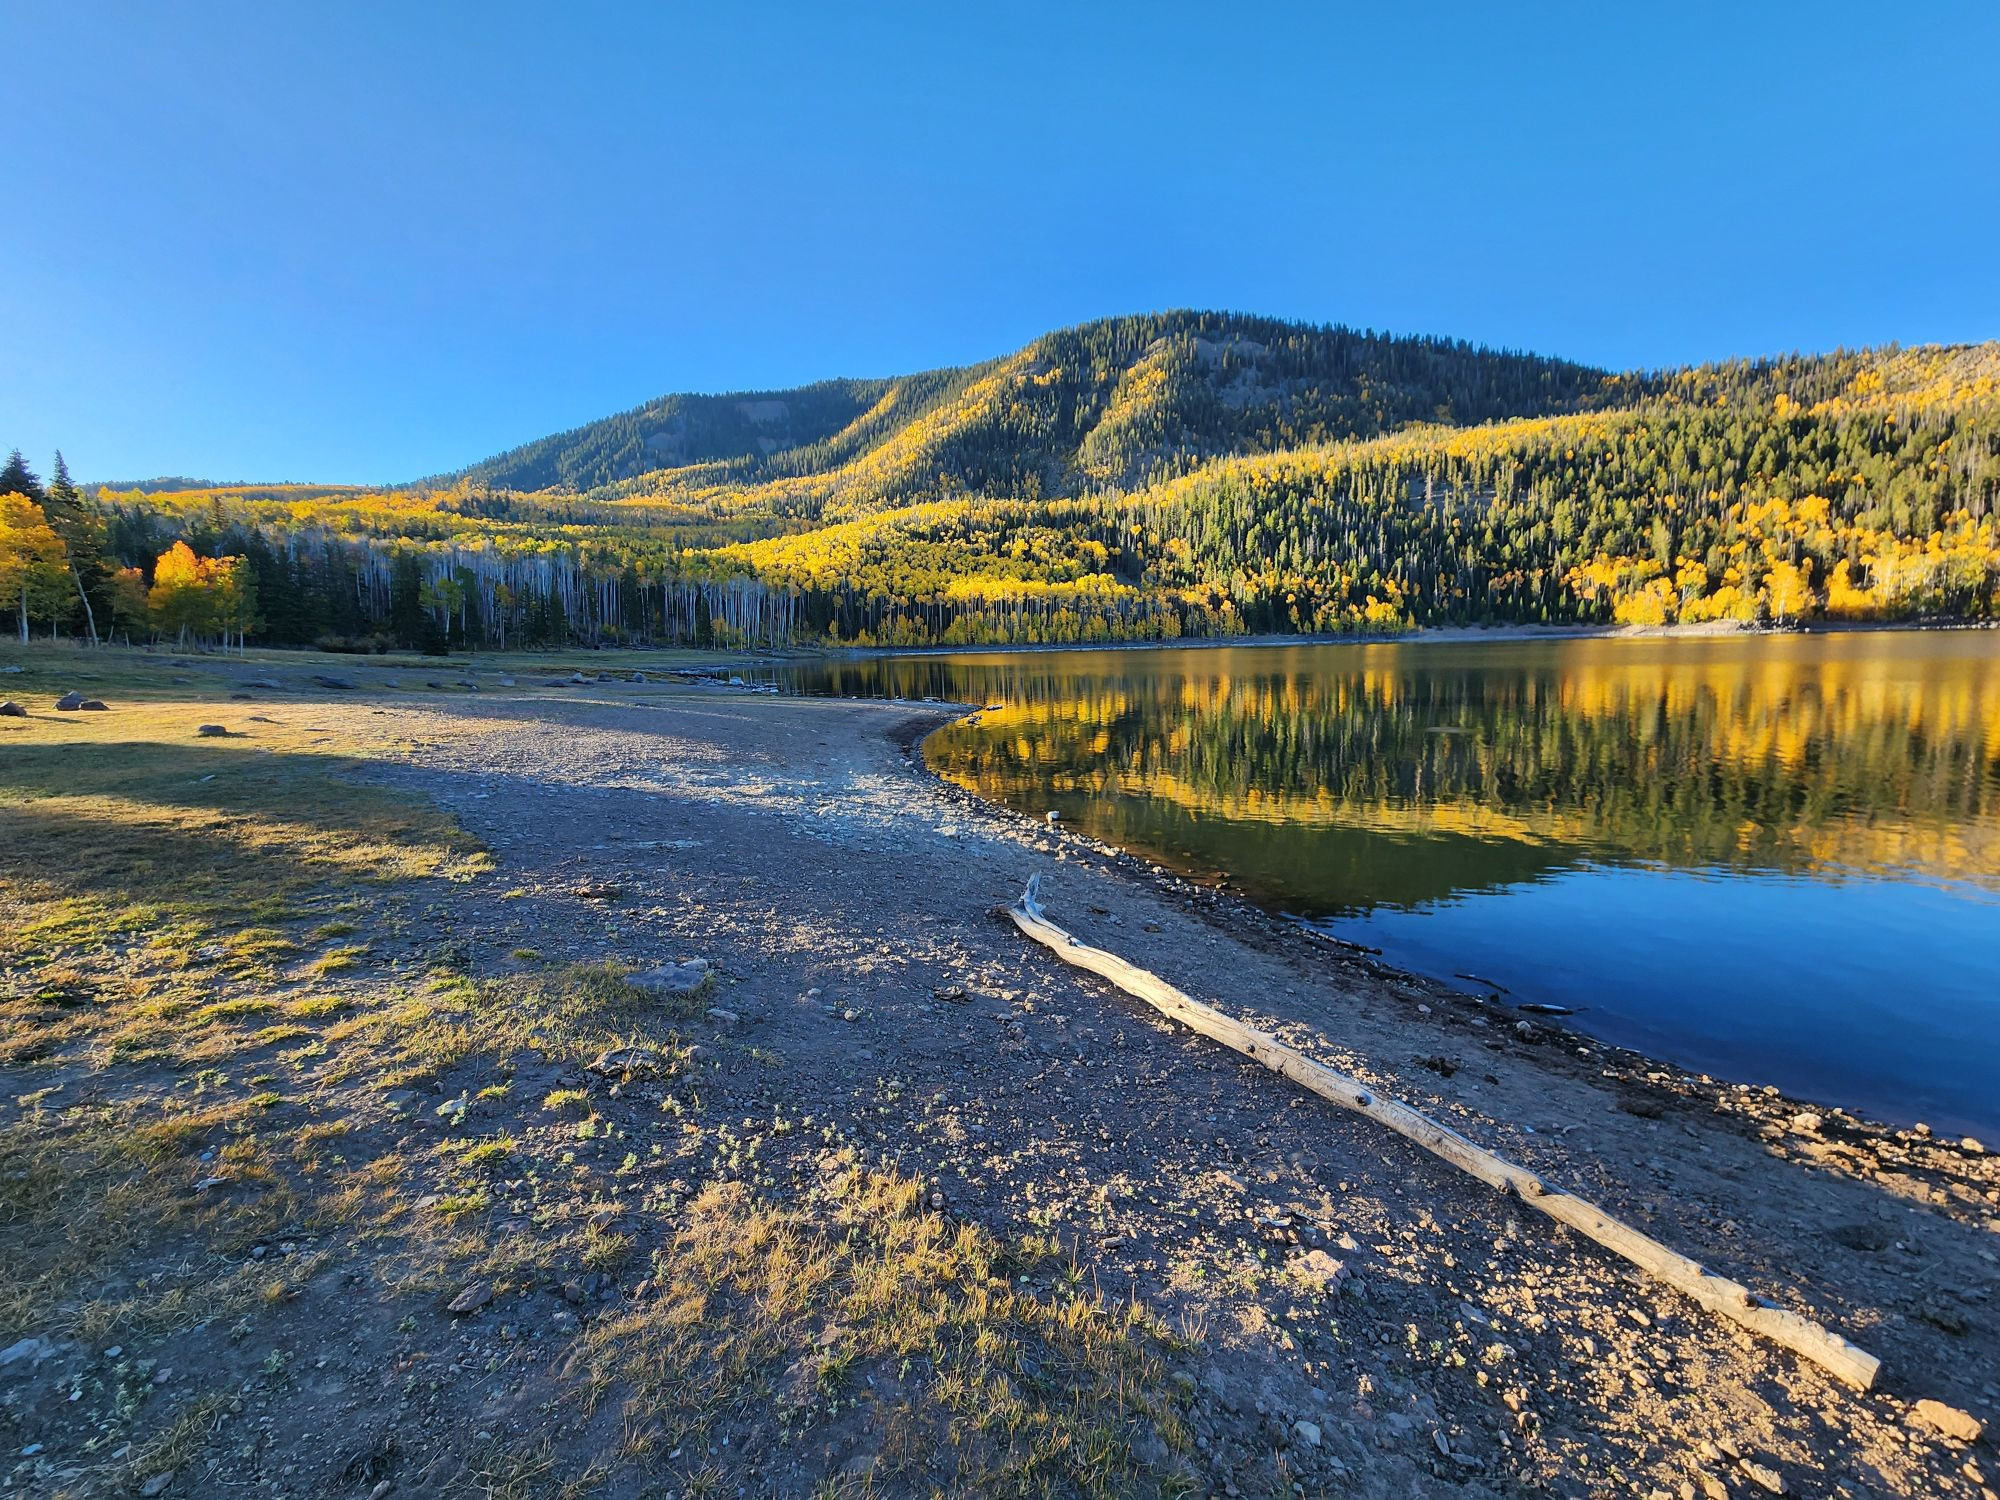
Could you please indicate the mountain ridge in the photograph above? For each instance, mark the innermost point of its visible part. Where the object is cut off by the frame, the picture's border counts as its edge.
(1163, 476)
(1088, 405)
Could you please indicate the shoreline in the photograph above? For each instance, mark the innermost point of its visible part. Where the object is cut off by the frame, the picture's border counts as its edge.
(859, 1011)
(1419, 636)
(1216, 901)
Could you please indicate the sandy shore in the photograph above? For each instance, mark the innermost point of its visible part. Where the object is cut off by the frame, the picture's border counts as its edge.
(1369, 1321)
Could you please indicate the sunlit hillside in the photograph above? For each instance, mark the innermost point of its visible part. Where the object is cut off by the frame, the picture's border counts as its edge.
(1185, 474)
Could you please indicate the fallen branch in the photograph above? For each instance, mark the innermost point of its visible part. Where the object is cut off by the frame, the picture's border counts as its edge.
(1717, 1293)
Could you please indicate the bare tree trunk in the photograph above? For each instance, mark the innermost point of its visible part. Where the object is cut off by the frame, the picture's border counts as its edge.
(1717, 1293)
(89, 614)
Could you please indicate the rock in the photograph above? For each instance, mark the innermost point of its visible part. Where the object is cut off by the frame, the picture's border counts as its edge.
(471, 1299)
(157, 1485)
(338, 684)
(211, 732)
(618, 1062)
(1054, 816)
(1939, 1313)
(576, 1293)
(12, 710)
(683, 978)
(1861, 1236)
(1970, 1143)
(1768, 1480)
(850, 1015)
(1307, 1433)
(1807, 1123)
(12, 669)
(28, 1351)
(69, 702)
(1948, 1420)
(94, 706)
(724, 1017)
(1318, 1269)
(1711, 1487)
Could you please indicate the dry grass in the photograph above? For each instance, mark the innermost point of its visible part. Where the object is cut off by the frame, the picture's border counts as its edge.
(989, 1367)
(215, 1036)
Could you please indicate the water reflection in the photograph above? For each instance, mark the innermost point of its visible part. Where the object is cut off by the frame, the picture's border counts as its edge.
(1775, 859)
(1339, 779)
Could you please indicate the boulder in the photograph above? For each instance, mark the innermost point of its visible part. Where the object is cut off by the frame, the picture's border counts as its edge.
(12, 710)
(1948, 1420)
(69, 703)
(683, 978)
(94, 706)
(211, 732)
(338, 684)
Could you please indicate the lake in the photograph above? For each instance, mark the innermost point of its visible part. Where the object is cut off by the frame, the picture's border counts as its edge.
(1773, 859)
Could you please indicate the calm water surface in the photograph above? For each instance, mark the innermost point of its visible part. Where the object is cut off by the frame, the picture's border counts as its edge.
(1773, 859)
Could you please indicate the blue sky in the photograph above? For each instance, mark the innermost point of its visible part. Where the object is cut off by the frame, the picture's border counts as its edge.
(367, 242)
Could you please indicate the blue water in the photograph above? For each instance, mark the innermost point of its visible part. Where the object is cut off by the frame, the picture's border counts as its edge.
(1775, 860)
(1764, 977)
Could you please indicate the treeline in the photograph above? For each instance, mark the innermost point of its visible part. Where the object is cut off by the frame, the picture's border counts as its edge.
(60, 567)
(1853, 486)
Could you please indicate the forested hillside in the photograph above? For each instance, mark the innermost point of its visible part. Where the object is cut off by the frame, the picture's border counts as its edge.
(1110, 403)
(1153, 477)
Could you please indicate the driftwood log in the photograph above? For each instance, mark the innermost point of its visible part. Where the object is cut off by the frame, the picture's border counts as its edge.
(1717, 1293)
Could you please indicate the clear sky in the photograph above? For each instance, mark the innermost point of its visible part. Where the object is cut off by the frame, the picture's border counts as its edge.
(371, 241)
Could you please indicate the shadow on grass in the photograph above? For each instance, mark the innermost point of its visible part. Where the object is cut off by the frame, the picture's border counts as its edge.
(135, 833)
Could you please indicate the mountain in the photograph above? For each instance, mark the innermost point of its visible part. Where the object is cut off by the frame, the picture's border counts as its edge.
(1177, 474)
(1105, 405)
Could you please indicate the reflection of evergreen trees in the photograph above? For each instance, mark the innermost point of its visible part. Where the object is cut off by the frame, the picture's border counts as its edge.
(1692, 755)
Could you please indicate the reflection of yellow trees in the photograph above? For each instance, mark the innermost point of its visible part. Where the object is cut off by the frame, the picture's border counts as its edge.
(1864, 758)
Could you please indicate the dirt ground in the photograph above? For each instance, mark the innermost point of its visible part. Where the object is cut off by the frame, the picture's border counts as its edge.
(1444, 1340)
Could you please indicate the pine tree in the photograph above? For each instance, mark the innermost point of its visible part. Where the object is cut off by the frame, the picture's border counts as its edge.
(82, 530)
(16, 478)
